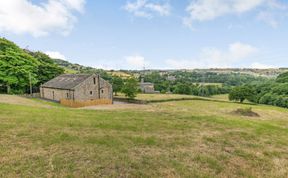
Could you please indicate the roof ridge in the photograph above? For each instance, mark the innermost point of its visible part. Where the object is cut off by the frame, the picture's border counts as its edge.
(67, 81)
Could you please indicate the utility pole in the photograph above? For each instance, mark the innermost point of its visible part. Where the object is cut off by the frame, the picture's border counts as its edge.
(30, 83)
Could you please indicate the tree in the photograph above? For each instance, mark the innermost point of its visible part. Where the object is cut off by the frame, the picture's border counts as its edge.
(17, 68)
(117, 83)
(282, 78)
(182, 89)
(47, 68)
(240, 94)
(203, 91)
(130, 88)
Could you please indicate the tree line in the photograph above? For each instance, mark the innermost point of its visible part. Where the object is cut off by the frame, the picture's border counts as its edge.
(273, 92)
(199, 83)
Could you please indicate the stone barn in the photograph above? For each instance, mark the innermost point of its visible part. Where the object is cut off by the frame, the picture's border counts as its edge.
(146, 87)
(78, 89)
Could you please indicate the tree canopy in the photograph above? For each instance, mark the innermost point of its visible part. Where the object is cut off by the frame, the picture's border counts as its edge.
(282, 78)
(130, 88)
(240, 94)
(19, 67)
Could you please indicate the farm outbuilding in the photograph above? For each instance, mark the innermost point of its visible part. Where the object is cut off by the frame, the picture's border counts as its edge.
(82, 89)
(146, 87)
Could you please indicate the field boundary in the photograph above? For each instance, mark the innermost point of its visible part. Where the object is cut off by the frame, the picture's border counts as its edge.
(137, 101)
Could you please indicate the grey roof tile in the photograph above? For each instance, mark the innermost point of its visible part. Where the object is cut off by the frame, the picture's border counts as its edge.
(66, 81)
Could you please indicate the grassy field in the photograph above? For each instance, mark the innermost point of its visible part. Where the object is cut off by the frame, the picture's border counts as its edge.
(153, 97)
(170, 139)
(119, 74)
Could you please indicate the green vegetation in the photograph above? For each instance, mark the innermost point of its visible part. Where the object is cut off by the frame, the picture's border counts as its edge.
(130, 88)
(283, 78)
(171, 139)
(80, 69)
(117, 83)
(271, 93)
(199, 83)
(240, 94)
(19, 67)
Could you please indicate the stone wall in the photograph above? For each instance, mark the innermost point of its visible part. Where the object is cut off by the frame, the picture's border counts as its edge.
(88, 90)
(55, 94)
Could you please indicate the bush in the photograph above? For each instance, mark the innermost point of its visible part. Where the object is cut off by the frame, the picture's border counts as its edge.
(246, 112)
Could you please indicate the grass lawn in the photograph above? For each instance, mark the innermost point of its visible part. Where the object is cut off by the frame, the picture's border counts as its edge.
(170, 139)
(153, 97)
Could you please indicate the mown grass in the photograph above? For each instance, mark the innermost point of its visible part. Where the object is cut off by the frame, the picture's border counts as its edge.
(174, 139)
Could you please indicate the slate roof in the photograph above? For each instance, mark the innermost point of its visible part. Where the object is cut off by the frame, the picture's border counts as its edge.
(66, 81)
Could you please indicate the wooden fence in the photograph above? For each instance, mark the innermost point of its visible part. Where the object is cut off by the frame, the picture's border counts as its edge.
(78, 104)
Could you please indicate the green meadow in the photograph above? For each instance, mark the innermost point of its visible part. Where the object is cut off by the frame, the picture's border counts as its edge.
(197, 138)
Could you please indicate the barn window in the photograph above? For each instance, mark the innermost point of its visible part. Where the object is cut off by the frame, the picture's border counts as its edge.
(94, 80)
(91, 92)
(67, 95)
(102, 91)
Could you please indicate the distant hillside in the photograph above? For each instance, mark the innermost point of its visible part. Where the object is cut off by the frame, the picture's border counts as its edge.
(77, 68)
(270, 73)
(69, 67)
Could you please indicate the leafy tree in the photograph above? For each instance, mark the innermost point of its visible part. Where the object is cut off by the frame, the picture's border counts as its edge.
(240, 94)
(17, 68)
(203, 91)
(182, 88)
(117, 83)
(130, 88)
(47, 69)
(282, 78)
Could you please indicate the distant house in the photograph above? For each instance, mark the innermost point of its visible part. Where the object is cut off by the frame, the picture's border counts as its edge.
(146, 87)
(77, 87)
(171, 78)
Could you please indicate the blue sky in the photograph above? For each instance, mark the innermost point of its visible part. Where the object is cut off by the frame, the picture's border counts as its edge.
(157, 34)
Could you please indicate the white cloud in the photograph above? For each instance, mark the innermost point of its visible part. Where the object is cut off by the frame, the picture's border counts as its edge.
(213, 57)
(204, 10)
(55, 55)
(146, 9)
(257, 65)
(136, 62)
(241, 51)
(22, 16)
(268, 18)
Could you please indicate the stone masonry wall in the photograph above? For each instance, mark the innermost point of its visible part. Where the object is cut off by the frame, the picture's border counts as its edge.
(88, 90)
(55, 94)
